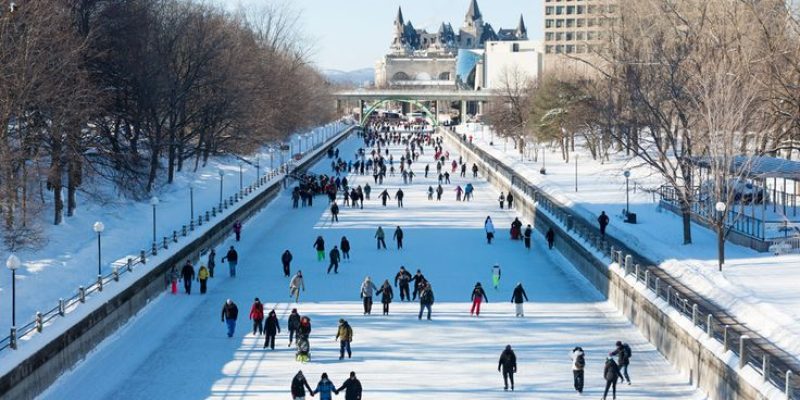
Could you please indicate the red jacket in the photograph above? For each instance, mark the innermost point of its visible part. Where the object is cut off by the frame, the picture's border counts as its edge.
(257, 311)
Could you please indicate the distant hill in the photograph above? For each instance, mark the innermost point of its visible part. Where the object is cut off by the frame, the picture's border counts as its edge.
(358, 77)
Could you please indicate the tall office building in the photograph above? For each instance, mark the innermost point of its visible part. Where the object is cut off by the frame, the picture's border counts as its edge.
(572, 29)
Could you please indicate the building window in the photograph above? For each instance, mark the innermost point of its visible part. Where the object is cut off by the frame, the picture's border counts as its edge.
(570, 23)
(591, 22)
(570, 10)
(559, 36)
(558, 50)
(570, 49)
(570, 36)
(548, 49)
(548, 36)
(444, 76)
(579, 10)
(580, 36)
(548, 23)
(580, 22)
(548, 10)
(515, 48)
(560, 10)
(559, 23)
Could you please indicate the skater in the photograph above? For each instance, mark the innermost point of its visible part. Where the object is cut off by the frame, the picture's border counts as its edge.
(527, 236)
(286, 260)
(303, 346)
(344, 335)
(578, 364)
(187, 273)
(439, 192)
(427, 169)
(386, 295)
(488, 226)
(426, 300)
(334, 255)
(295, 285)
(478, 294)
(474, 170)
(551, 238)
(399, 197)
(384, 196)
(202, 277)
(212, 256)
(319, 245)
(430, 192)
(233, 259)
(502, 200)
(516, 229)
(293, 325)
(459, 191)
(402, 279)
(367, 289)
(299, 386)
(623, 352)
(603, 221)
(229, 314)
(324, 388)
(237, 229)
(519, 297)
(419, 283)
(463, 170)
(398, 237)
(173, 280)
(257, 315)
(367, 189)
(496, 276)
(380, 237)
(334, 212)
(611, 374)
(352, 388)
(272, 328)
(510, 200)
(508, 364)
(344, 246)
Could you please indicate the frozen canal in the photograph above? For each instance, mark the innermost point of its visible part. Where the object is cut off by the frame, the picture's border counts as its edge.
(177, 348)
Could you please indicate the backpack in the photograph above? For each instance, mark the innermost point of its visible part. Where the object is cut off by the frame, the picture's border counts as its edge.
(627, 350)
(580, 361)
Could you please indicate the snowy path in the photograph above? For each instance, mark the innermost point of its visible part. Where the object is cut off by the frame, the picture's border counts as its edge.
(177, 347)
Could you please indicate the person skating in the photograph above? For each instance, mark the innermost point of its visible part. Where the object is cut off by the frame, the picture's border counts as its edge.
(295, 285)
(212, 256)
(399, 197)
(502, 200)
(603, 220)
(519, 297)
(381, 238)
(463, 170)
(398, 237)
(334, 212)
(427, 169)
(237, 229)
(419, 282)
(299, 386)
(474, 170)
(344, 335)
(402, 279)
(293, 324)
(527, 236)
(352, 388)
(623, 352)
(387, 294)
(430, 192)
(257, 316)
(173, 277)
(233, 259)
(439, 191)
(325, 388)
(611, 374)
(496, 276)
(578, 365)
(510, 200)
(187, 273)
(319, 245)
(229, 314)
(303, 345)
(345, 247)
(551, 237)
(286, 260)
(516, 229)
(508, 366)
(272, 328)
(367, 289)
(458, 191)
(334, 256)
(488, 226)
(426, 300)
(384, 197)
(202, 277)
(478, 295)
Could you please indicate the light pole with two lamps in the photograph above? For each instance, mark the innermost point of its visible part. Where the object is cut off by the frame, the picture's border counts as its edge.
(98, 228)
(154, 203)
(627, 175)
(575, 156)
(721, 207)
(13, 264)
(221, 180)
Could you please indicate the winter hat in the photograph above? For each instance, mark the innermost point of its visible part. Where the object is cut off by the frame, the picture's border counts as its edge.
(341, 320)
(477, 283)
(294, 310)
(325, 375)
(619, 343)
(508, 347)
(229, 301)
(257, 300)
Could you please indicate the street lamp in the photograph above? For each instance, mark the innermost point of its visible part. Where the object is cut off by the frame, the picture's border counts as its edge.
(575, 156)
(221, 179)
(627, 174)
(13, 263)
(271, 158)
(154, 203)
(720, 207)
(543, 170)
(240, 176)
(191, 201)
(98, 228)
(258, 168)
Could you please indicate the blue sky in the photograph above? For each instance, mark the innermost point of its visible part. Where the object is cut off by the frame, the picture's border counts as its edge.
(353, 34)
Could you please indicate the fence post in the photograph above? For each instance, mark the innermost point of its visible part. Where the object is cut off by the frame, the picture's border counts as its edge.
(694, 314)
(61, 309)
(39, 322)
(765, 366)
(183, 230)
(82, 294)
(743, 350)
(628, 262)
(657, 285)
(191, 225)
(99, 283)
(142, 257)
(570, 225)
(647, 279)
(155, 249)
(175, 236)
(12, 342)
(213, 212)
(637, 266)
(788, 389)
(116, 273)
(710, 325)
(725, 341)
(129, 264)
(165, 244)
(669, 294)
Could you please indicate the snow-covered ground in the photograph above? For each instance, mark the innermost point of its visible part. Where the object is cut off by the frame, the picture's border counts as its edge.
(69, 259)
(758, 288)
(176, 348)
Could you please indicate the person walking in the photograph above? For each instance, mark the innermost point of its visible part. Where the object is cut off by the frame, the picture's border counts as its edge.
(474, 170)
(426, 300)
(496, 276)
(272, 328)
(334, 256)
(325, 388)
(402, 279)
(386, 295)
(527, 236)
(257, 316)
(187, 273)
(611, 374)
(293, 324)
(502, 200)
(603, 220)
(367, 190)
(380, 237)
(212, 256)
(229, 314)
(202, 277)
(508, 366)
(344, 335)
(233, 259)
(478, 294)
(623, 352)
(510, 200)
(519, 297)
(335, 212)
(551, 237)
(345, 247)
(578, 365)
(295, 285)
(488, 226)
(399, 197)
(352, 388)
(286, 260)
(398, 237)
(237, 229)
(367, 289)
(384, 196)
(319, 245)
(299, 386)
(174, 277)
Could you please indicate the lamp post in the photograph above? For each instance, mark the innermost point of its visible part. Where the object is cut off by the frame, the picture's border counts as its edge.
(240, 176)
(627, 174)
(98, 228)
(154, 203)
(720, 207)
(221, 179)
(258, 168)
(191, 201)
(13, 263)
(271, 158)
(575, 155)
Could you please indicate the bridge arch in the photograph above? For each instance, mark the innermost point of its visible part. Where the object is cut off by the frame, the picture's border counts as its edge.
(371, 109)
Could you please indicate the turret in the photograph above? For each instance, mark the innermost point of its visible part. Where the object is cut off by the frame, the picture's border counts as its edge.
(522, 31)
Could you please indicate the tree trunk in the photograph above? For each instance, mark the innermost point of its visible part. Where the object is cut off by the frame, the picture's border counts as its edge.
(686, 214)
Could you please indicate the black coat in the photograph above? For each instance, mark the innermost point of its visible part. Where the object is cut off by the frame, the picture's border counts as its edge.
(403, 277)
(603, 220)
(299, 386)
(611, 371)
(623, 353)
(335, 255)
(418, 279)
(345, 245)
(398, 234)
(319, 244)
(272, 326)
(335, 209)
(286, 258)
(386, 294)
(353, 389)
(519, 294)
(187, 272)
(478, 293)
(230, 311)
(232, 256)
(508, 361)
(294, 322)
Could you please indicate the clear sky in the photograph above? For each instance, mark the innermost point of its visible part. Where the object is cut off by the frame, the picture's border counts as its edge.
(353, 34)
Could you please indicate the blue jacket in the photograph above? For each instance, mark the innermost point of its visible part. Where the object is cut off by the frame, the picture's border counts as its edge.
(325, 388)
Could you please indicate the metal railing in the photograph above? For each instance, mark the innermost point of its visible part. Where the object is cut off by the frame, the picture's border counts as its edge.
(773, 364)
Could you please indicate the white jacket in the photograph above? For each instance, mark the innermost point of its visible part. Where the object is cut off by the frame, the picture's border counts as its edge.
(297, 282)
(489, 226)
(367, 288)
